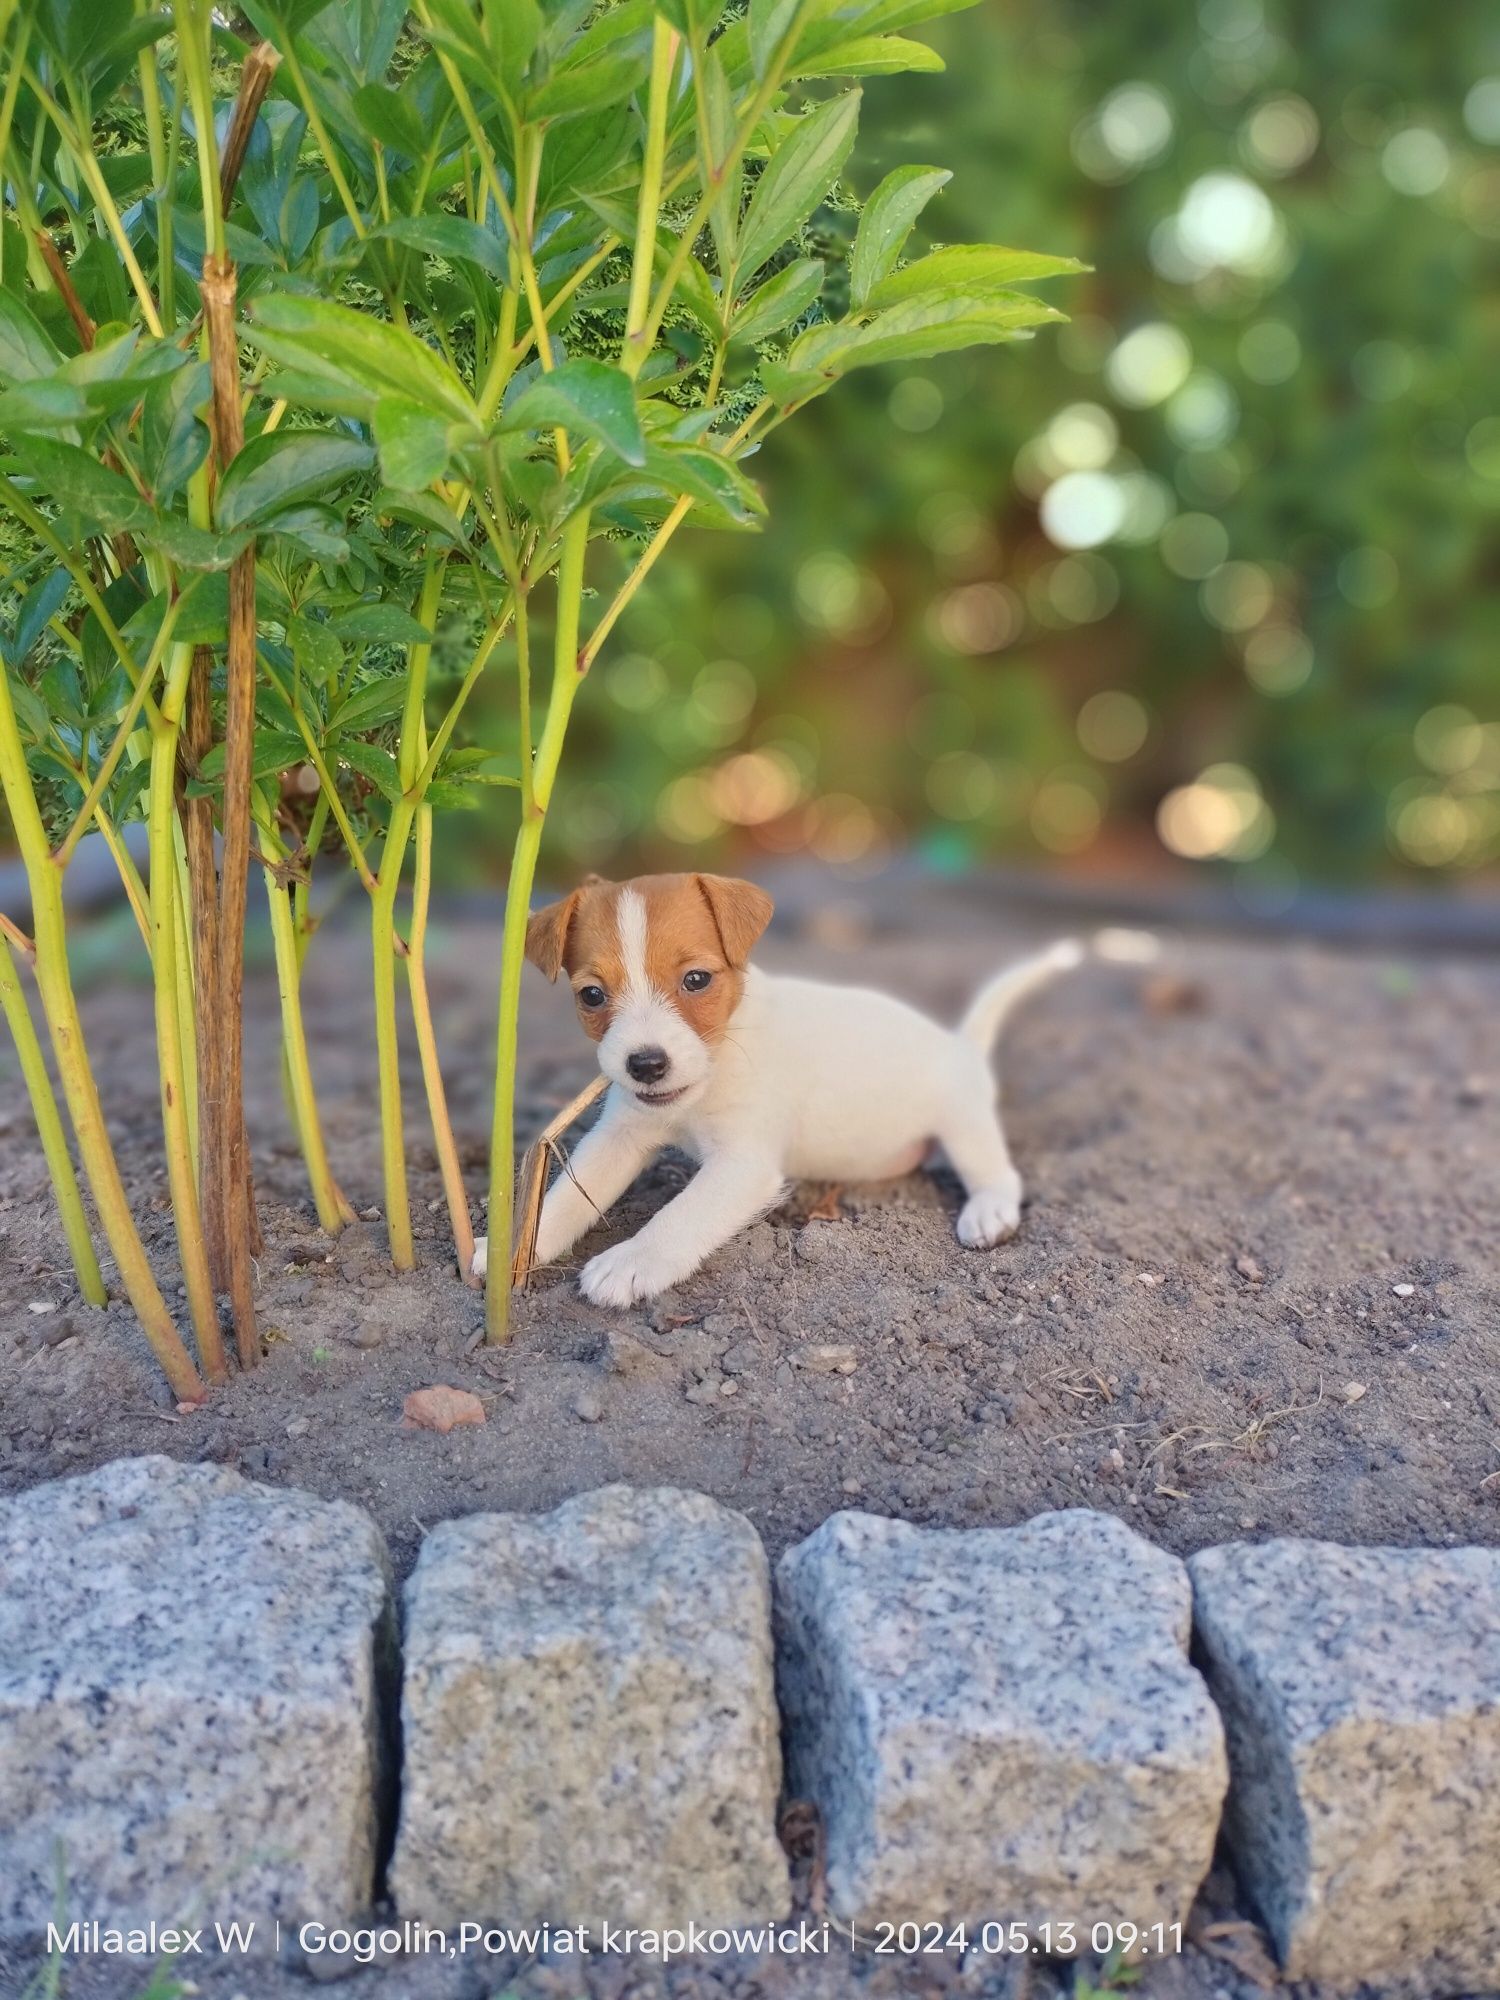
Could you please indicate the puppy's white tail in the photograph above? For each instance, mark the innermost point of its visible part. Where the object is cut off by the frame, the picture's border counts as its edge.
(992, 1004)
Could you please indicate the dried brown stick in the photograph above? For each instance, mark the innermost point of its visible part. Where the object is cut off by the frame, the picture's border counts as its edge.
(543, 1150)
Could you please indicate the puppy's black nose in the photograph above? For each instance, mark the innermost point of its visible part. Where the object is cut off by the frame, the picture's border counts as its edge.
(647, 1065)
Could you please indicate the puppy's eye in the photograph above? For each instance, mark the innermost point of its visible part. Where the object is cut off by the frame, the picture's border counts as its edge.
(592, 996)
(694, 982)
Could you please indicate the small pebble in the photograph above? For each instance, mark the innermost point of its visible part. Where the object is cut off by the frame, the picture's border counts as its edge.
(299, 1427)
(1403, 1291)
(588, 1406)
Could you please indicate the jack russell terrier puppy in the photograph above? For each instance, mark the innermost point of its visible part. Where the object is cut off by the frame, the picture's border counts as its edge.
(761, 1079)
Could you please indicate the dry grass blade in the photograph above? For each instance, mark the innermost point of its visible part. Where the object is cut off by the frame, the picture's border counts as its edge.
(533, 1188)
(1255, 1431)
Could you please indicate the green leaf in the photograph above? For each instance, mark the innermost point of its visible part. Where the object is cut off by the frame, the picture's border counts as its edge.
(388, 119)
(317, 652)
(912, 331)
(969, 270)
(39, 604)
(414, 447)
(379, 625)
(770, 21)
(26, 351)
(452, 237)
(871, 55)
(378, 765)
(48, 404)
(274, 751)
(174, 438)
(447, 796)
(373, 704)
(591, 86)
(422, 510)
(106, 500)
(886, 223)
(277, 19)
(779, 301)
(203, 610)
(339, 343)
(276, 470)
(588, 397)
(710, 478)
(798, 175)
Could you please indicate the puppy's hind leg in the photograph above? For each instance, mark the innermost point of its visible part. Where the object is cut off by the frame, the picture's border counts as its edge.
(972, 1138)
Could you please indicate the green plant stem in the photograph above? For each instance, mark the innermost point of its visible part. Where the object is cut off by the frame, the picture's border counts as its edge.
(130, 875)
(664, 41)
(187, 1024)
(325, 144)
(328, 789)
(474, 669)
(187, 1213)
(383, 938)
(334, 1210)
(80, 144)
(60, 1008)
(195, 43)
(128, 723)
(565, 680)
(443, 1141)
(50, 1130)
(633, 582)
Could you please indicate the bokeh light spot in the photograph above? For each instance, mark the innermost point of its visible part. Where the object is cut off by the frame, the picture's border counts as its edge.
(1150, 364)
(685, 811)
(1135, 123)
(636, 682)
(1203, 411)
(1281, 134)
(1112, 725)
(754, 786)
(978, 617)
(1482, 447)
(1221, 815)
(1482, 110)
(1227, 223)
(1415, 161)
(1368, 578)
(1237, 596)
(961, 785)
(1269, 351)
(1065, 815)
(916, 403)
(1194, 545)
(1448, 738)
(839, 597)
(1278, 659)
(1082, 509)
(1383, 370)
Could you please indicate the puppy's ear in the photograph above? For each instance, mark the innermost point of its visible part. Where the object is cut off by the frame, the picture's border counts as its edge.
(740, 912)
(547, 934)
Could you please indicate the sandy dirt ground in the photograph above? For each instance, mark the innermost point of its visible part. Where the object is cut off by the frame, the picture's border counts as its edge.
(1256, 1292)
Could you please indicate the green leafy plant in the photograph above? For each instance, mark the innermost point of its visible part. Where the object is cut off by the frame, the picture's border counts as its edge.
(324, 403)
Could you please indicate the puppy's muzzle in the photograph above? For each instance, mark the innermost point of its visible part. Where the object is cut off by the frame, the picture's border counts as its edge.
(647, 1065)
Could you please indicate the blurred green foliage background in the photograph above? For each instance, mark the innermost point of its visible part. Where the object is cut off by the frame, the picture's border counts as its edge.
(1206, 578)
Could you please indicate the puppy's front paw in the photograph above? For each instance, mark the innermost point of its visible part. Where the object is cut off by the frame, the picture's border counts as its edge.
(991, 1215)
(623, 1274)
(479, 1263)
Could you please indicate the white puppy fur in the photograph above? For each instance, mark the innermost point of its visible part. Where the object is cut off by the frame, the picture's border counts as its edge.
(808, 1081)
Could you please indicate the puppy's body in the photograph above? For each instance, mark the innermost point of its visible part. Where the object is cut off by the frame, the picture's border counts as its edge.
(761, 1079)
